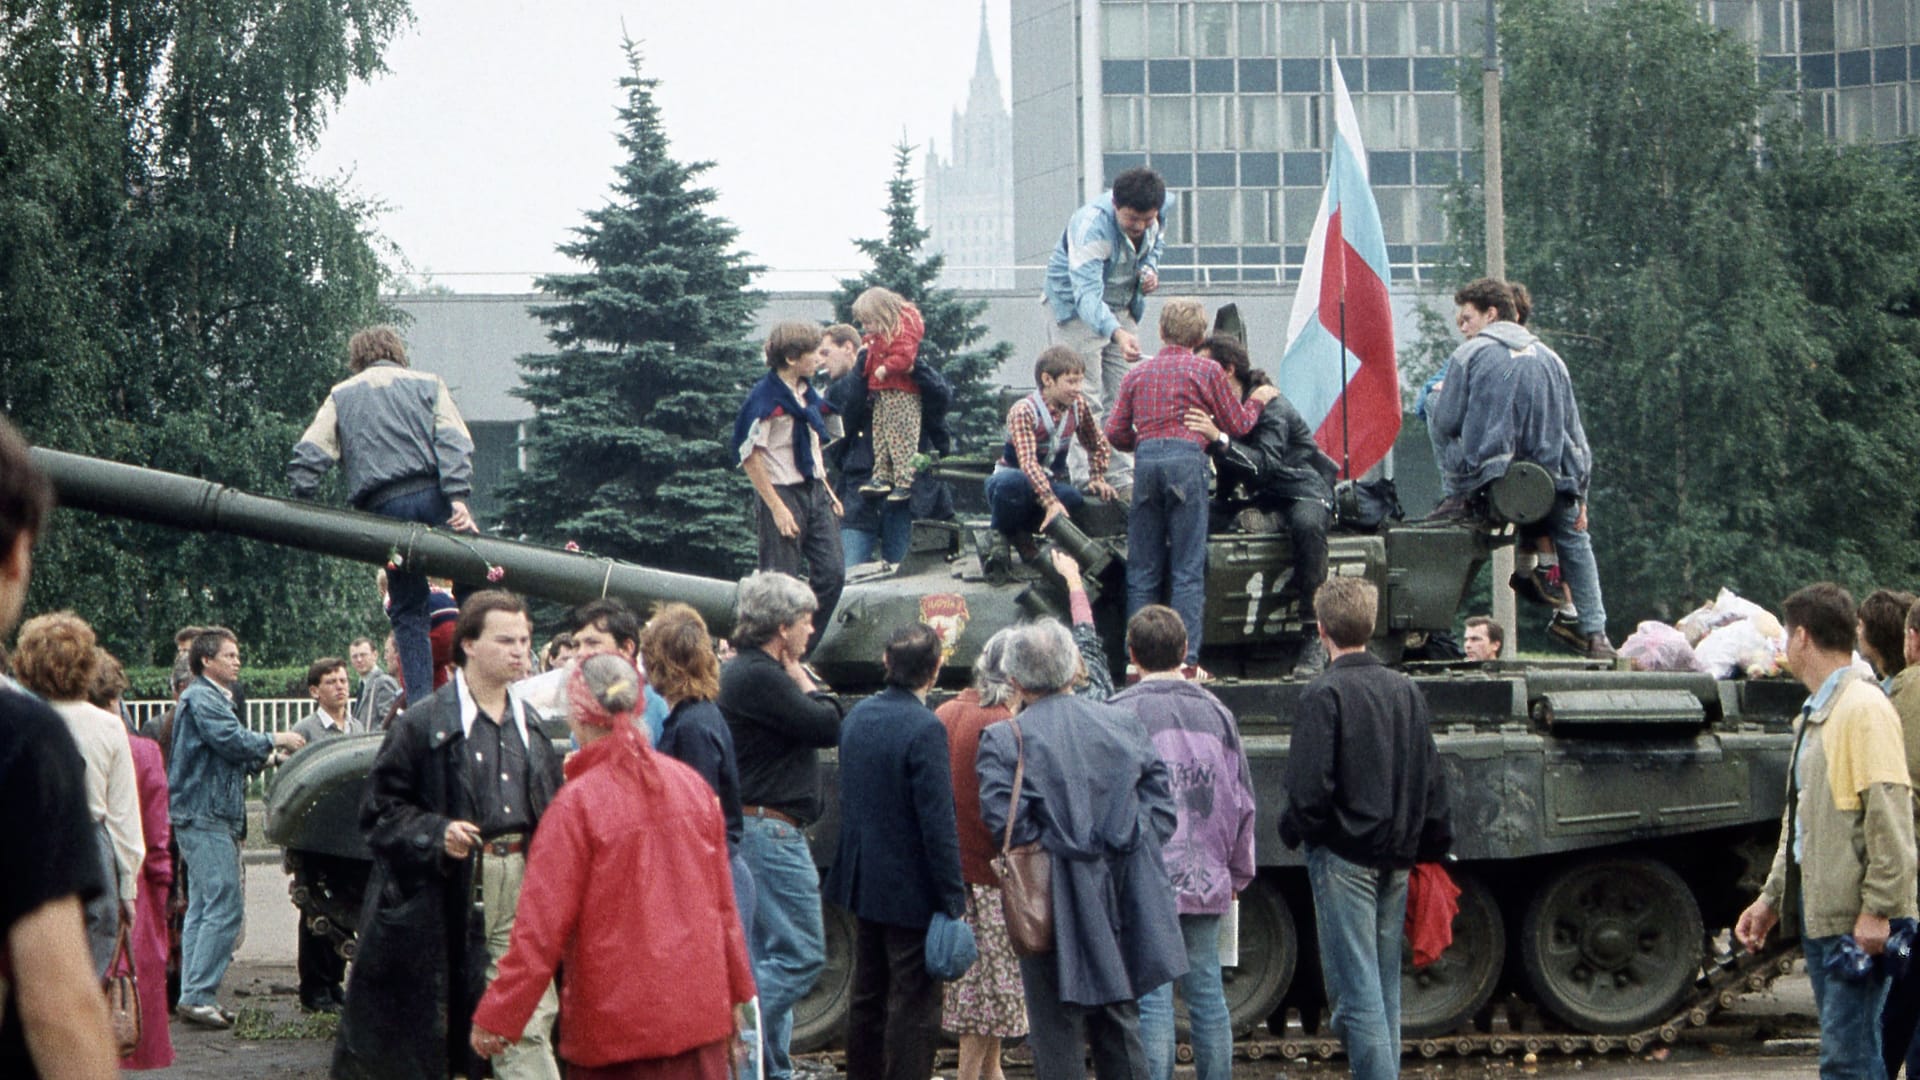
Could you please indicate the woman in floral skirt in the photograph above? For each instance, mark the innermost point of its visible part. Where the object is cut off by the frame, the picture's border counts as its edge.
(987, 1004)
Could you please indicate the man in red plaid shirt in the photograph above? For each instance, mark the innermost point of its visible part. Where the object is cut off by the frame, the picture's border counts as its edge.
(1167, 523)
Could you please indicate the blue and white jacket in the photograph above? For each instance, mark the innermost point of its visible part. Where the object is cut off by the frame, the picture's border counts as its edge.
(1076, 282)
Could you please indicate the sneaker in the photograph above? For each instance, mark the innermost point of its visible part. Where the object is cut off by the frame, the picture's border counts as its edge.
(206, 1016)
(900, 495)
(875, 487)
(1312, 659)
(319, 1003)
(1567, 632)
(1542, 585)
(1451, 508)
(1599, 648)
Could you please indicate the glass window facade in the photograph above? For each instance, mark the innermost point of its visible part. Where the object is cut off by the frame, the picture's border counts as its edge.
(1230, 100)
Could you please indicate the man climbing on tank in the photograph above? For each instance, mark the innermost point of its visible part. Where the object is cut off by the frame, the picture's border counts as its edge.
(1273, 479)
(1508, 398)
(407, 455)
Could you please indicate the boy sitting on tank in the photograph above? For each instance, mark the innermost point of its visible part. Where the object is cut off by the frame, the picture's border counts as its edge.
(1029, 486)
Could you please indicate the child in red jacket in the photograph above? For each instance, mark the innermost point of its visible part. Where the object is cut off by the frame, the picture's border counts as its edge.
(893, 329)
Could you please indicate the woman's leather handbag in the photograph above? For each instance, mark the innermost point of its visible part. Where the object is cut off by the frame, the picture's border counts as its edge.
(123, 996)
(1025, 873)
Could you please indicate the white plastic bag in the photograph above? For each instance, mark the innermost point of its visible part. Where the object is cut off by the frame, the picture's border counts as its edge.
(1655, 646)
(1742, 647)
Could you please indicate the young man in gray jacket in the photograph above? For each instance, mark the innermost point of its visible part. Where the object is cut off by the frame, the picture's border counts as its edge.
(407, 454)
(1508, 398)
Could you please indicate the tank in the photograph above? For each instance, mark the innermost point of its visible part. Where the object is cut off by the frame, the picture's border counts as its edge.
(1610, 823)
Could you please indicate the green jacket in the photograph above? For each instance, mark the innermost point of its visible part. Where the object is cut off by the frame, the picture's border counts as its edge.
(1855, 811)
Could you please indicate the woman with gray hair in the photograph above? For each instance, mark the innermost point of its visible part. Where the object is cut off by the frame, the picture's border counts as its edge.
(780, 720)
(985, 1005)
(1095, 795)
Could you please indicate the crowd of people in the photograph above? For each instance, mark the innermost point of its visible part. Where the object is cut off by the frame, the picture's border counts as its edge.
(643, 900)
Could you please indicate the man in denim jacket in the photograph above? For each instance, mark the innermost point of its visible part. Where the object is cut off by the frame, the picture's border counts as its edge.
(212, 754)
(1098, 278)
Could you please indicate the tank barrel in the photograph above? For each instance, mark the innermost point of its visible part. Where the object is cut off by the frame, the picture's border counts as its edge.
(183, 502)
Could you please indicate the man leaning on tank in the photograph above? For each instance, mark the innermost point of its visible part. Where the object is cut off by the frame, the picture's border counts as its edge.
(1844, 867)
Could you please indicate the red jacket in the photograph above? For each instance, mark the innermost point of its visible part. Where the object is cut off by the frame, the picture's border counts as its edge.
(628, 889)
(965, 718)
(897, 353)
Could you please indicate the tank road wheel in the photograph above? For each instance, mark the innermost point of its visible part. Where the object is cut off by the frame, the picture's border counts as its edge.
(1269, 952)
(1609, 946)
(820, 1018)
(1438, 998)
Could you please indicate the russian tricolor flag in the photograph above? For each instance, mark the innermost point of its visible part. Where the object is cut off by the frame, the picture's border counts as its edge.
(1346, 265)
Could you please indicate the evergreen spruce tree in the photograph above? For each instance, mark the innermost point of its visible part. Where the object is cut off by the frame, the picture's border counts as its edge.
(953, 324)
(628, 450)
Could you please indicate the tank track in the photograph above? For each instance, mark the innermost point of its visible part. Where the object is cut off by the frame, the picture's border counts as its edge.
(1727, 980)
(325, 907)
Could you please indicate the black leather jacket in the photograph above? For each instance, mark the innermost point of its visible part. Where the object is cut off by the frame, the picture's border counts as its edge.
(1276, 461)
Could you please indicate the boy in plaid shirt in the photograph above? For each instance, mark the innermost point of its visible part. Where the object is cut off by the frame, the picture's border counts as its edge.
(1029, 485)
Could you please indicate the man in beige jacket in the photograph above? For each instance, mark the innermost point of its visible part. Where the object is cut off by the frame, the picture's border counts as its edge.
(1845, 863)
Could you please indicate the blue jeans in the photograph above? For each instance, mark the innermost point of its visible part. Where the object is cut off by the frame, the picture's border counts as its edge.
(407, 593)
(1849, 1015)
(896, 530)
(1167, 533)
(787, 939)
(1575, 549)
(215, 909)
(1015, 508)
(1361, 914)
(1206, 999)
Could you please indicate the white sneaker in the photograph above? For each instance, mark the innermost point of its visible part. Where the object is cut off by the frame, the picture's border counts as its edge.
(206, 1016)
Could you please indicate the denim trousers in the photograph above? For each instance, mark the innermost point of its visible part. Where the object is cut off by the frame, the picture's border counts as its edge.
(1167, 533)
(857, 544)
(1015, 508)
(1849, 1015)
(1206, 998)
(814, 556)
(407, 593)
(787, 939)
(215, 909)
(1361, 914)
(1575, 550)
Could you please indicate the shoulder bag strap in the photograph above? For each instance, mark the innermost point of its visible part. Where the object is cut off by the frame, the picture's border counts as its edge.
(1019, 777)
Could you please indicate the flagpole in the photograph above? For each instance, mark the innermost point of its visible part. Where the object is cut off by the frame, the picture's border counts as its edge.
(1333, 191)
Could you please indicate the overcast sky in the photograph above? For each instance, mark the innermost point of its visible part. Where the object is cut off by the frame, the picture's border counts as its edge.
(494, 127)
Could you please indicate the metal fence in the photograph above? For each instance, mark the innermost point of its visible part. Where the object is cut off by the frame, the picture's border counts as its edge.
(265, 715)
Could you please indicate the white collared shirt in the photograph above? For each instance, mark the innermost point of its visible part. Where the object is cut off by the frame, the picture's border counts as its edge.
(469, 711)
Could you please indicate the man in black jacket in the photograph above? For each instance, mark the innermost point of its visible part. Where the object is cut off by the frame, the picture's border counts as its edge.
(1274, 478)
(898, 862)
(458, 789)
(780, 722)
(1367, 794)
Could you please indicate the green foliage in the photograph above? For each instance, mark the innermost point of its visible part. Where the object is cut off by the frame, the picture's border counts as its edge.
(174, 293)
(953, 325)
(1733, 295)
(628, 449)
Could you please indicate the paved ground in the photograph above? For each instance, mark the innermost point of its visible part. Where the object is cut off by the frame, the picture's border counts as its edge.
(1766, 1035)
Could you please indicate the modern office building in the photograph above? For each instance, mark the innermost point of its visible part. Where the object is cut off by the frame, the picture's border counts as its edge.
(969, 196)
(1229, 101)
